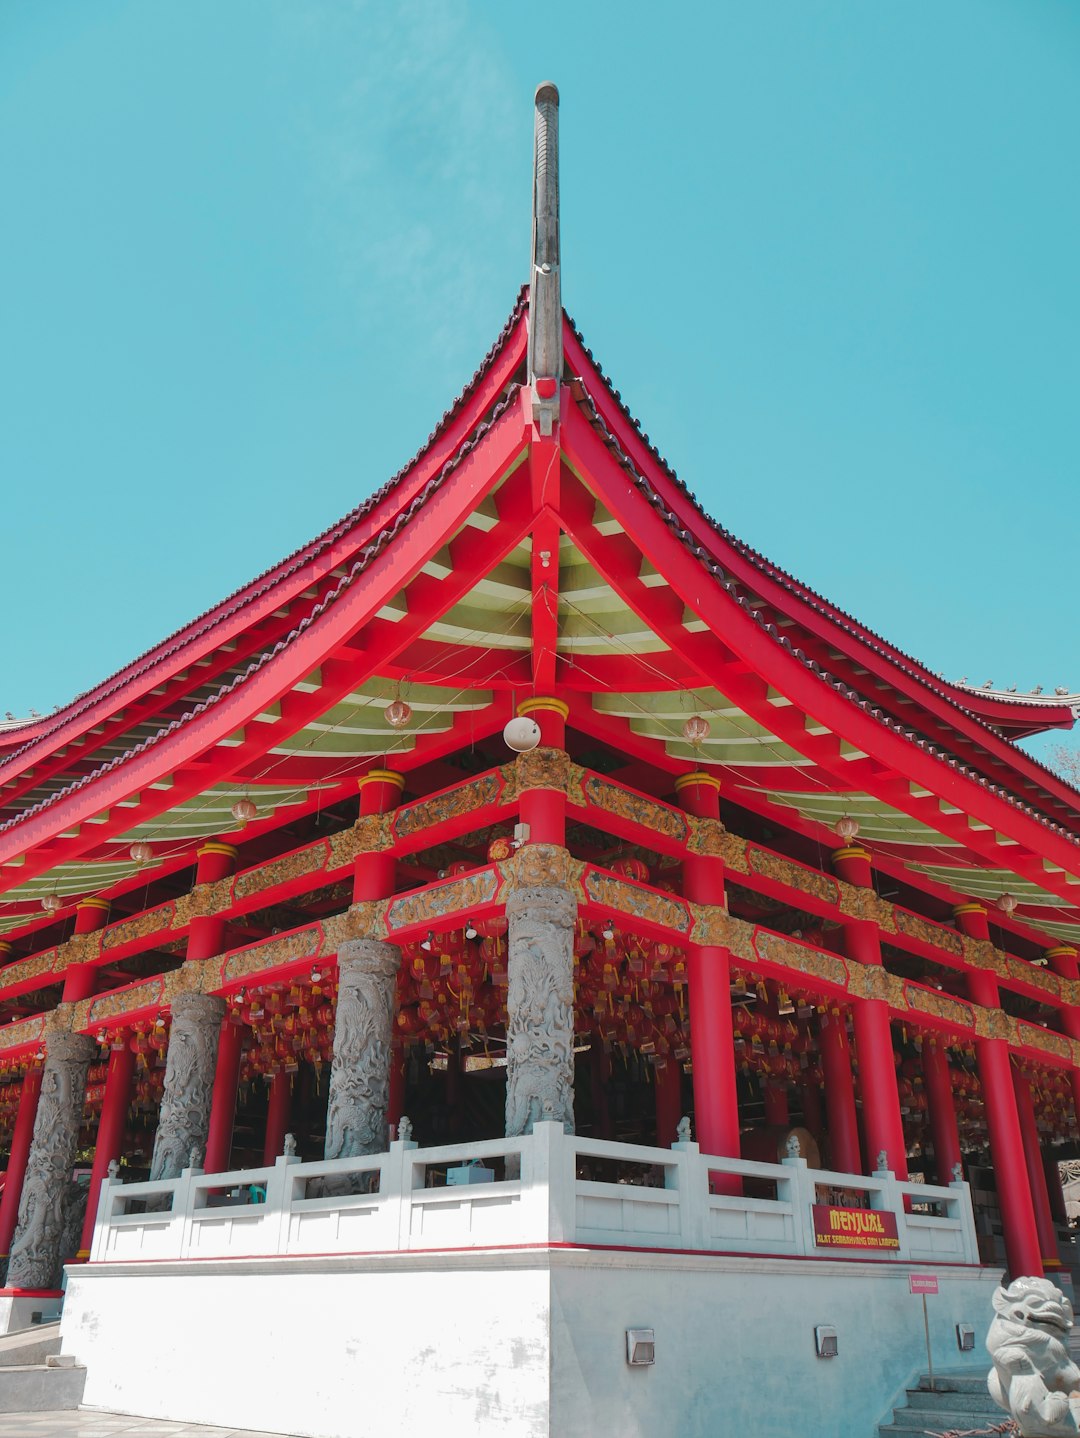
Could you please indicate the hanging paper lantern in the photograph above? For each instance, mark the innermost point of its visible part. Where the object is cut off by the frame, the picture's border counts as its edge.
(243, 811)
(631, 868)
(397, 714)
(1006, 903)
(500, 849)
(141, 852)
(696, 729)
(51, 902)
(847, 828)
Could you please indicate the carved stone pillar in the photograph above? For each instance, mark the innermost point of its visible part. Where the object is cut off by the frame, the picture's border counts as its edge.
(540, 1008)
(36, 1254)
(184, 1121)
(356, 1113)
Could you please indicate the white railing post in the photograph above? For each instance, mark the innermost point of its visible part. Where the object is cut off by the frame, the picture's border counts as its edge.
(962, 1209)
(554, 1168)
(106, 1203)
(800, 1193)
(395, 1191)
(692, 1180)
(887, 1195)
(280, 1189)
(183, 1206)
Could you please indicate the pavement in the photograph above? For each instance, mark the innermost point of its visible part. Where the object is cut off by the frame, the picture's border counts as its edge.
(90, 1423)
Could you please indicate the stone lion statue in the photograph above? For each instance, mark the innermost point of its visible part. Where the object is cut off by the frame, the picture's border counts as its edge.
(1033, 1377)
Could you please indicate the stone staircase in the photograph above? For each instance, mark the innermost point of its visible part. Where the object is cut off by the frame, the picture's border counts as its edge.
(34, 1377)
(959, 1400)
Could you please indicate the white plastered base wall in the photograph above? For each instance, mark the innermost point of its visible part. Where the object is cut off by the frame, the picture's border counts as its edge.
(528, 1343)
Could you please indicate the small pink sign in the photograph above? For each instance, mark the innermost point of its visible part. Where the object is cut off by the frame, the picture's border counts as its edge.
(922, 1282)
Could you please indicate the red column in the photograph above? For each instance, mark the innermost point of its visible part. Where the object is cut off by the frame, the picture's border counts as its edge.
(216, 860)
(882, 1125)
(1033, 1158)
(708, 973)
(219, 1136)
(544, 810)
(1006, 1142)
(811, 1106)
(668, 1102)
(939, 1098)
(110, 1134)
(21, 1139)
(777, 1112)
(1065, 962)
(80, 979)
(844, 1154)
(277, 1116)
(374, 871)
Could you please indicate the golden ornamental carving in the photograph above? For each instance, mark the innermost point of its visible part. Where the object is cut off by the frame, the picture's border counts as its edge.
(311, 859)
(713, 927)
(479, 793)
(1036, 1037)
(152, 921)
(711, 840)
(994, 1024)
(366, 920)
(1028, 974)
(635, 901)
(857, 903)
(871, 981)
(31, 967)
(271, 954)
(795, 876)
(203, 901)
(374, 833)
(80, 948)
(438, 901)
(23, 1031)
(914, 926)
(148, 994)
(539, 864)
(981, 954)
(593, 791)
(801, 958)
(940, 1006)
(543, 769)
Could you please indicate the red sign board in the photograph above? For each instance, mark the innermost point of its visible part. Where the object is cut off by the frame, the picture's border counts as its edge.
(922, 1282)
(854, 1228)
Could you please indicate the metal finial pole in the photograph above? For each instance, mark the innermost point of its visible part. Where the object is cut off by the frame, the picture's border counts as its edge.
(545, 294)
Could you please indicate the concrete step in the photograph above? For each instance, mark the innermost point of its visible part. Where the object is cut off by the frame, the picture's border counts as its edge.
(36, 1388)
(942, 1420)
(977, 1398)
(29, 1345)
(970, 1381)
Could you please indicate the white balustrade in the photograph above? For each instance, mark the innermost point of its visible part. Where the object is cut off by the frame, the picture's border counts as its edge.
(546, 1187)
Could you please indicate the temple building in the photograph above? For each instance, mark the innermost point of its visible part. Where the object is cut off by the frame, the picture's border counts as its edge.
(528, 915)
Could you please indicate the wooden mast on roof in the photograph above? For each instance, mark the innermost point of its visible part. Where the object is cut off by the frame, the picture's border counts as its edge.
(545, 292)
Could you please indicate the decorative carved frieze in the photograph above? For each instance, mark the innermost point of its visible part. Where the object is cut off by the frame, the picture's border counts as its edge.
(596, 792)
(994, 1024)
(153, 921)
(312, 859)
(455, 896)
(637, 902)
(1042, 979)
(368, 919)
(543, 768)
(914, 926)
(204, 901)
(356, 1114)
(940, 1006)
(871, 981)
(1036, 1037)
(795, 876)
(22, 1031)
(540, 1008)
(467, 798)
(127, 1000)
(803, 958)
(536, 864)
(29, 968)
(271, 954)
(184, 1118)
(36, 1255)
(374, 833)
(713, 927)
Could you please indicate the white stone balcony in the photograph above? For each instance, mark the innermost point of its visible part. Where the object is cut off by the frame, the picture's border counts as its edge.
(546, 1188)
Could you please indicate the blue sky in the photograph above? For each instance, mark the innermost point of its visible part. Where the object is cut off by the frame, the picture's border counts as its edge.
(827, 251)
